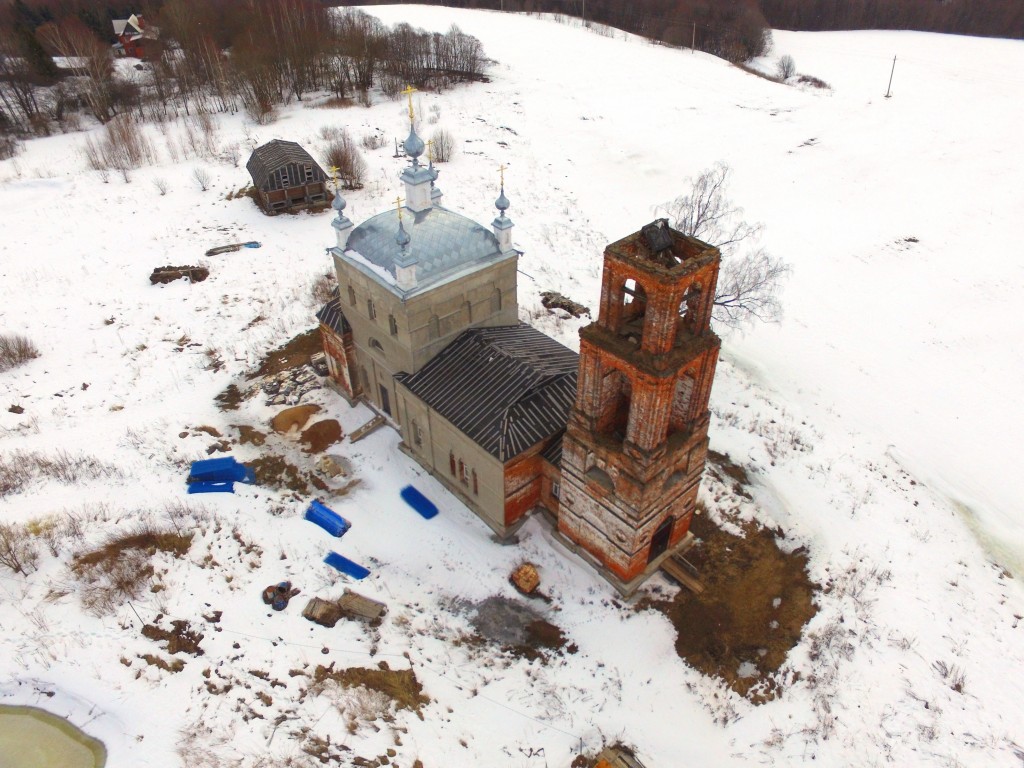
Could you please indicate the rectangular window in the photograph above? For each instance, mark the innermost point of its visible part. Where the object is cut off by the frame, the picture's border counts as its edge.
(556, 489)
(351, 295)
(476, 486)
(309, 173)
(463, 473)
(285, 181)
(451, 462)
(417, 434)
(393, 325)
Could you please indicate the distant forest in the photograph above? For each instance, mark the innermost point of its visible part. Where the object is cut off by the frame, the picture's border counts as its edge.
(673, 20)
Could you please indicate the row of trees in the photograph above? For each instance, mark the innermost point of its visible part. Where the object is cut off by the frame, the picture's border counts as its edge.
(994, 18)
(210, 56)
(736, 28)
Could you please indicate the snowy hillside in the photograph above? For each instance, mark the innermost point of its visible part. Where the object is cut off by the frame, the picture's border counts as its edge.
(878, 423)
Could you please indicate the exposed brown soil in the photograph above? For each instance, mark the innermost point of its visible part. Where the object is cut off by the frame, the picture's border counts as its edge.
(179, 639)
(292, 418)
(249, 435)
(230, 398)
(399, 685)
(277, 472)
(321, 436)
(291, 355)
(752, 612)
(174, 665)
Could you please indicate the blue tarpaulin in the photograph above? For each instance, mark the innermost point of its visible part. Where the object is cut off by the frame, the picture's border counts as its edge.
(208, 487)
(327, 519)
(419, 502)
(221, 470)
(346, 566)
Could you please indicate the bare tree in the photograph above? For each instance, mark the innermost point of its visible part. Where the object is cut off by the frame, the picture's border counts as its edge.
(17, 550)
(201, 175)
(72, 39)
(786, 67)
(750, 278)
(442, 146)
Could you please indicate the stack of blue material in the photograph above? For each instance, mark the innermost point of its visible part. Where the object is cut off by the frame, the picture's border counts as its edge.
(218, 475)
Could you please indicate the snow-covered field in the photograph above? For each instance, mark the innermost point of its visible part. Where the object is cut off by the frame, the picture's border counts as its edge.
(879, 420)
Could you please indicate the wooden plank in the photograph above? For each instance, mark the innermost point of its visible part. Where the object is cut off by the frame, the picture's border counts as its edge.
(679, 573)
(360, 432)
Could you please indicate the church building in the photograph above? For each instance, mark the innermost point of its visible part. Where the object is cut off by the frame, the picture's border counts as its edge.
(610, 443)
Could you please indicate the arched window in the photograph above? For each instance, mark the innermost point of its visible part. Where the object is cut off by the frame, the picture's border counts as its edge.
(393, 325)
(351, 295)
(467, 309)
(370, 309)
(451, 462)
(462, 472)
(476, 487)
(374, 344)
(496, 301)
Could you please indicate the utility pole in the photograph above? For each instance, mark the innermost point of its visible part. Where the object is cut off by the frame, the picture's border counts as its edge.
(888, 91)
(693, 42)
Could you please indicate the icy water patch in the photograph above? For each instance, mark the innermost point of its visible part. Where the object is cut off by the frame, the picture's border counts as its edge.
(34, 738)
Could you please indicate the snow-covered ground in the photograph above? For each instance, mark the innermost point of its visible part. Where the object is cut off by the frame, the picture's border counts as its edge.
(879, 420)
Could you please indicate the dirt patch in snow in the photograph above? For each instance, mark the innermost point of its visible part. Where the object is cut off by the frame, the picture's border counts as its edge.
(319, 437)
(399, 685)
(757, 600)
(276, 471)
(180, 638)
(516, 627)
(294, 354)
(293, 418)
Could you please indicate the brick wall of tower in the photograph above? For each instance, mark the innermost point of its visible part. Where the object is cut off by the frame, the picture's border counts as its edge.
(650, 353)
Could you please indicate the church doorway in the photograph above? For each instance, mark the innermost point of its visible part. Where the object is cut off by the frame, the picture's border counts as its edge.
(385, 402)
(659, 541)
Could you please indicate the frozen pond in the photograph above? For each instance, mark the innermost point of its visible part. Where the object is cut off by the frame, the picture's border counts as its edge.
(34, 738)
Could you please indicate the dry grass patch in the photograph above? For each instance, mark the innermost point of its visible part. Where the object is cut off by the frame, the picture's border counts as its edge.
(17, 469)
(16, 350)
(121, 569)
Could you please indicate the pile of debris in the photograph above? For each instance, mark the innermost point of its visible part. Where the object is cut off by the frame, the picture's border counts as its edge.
(289, 387)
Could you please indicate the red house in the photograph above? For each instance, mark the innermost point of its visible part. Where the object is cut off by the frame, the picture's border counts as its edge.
(131, 34)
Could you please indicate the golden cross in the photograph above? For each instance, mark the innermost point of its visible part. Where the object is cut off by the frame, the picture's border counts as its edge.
(502, 172)
(409, 91)
(430, 150)
(334, 176)
(398, 202)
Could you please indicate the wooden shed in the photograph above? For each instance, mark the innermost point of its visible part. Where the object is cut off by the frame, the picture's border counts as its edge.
(287, 178)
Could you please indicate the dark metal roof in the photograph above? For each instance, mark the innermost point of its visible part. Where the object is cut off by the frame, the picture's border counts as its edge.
(330, 314)
(506, 388)
(274, 154)
(553, 453)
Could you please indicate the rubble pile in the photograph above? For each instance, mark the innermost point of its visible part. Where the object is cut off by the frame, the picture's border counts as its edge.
(289, 387)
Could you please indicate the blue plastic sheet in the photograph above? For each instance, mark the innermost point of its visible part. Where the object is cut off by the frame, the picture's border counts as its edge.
(419, 502)
(327, 519)
(207, 487)
(221, 471)
(346, 566)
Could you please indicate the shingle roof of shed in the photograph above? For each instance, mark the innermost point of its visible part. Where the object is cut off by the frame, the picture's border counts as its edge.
(272, 155)
(505, 388)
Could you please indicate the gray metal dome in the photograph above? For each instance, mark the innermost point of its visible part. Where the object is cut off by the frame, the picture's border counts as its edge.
(442, 242)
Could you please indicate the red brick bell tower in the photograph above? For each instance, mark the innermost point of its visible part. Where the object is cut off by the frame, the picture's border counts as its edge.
(635, 445)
